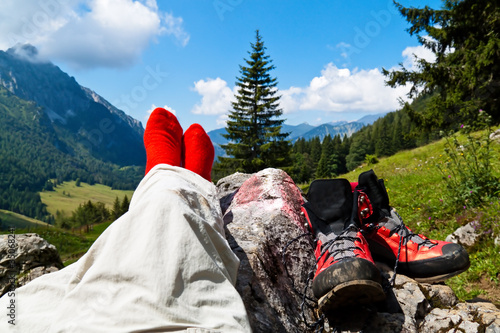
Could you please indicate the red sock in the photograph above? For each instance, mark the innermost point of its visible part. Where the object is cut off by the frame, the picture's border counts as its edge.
(162, 139)
(198, 151)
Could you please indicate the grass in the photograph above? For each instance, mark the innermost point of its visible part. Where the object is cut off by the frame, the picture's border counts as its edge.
(13, 220)
(66, 197)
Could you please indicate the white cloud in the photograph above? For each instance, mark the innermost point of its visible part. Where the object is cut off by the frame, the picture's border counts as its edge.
(420, 52)
(222, 120)
(340, 89)
(166, 107)
(173, 26)
(344, 47)
(88, 33)
(153, 107)
(216, 97)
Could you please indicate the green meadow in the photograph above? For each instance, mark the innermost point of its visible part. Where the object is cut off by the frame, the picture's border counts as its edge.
(66, 197)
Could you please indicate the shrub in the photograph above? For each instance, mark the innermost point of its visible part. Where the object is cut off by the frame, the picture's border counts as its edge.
(468, 172)
(371, 159)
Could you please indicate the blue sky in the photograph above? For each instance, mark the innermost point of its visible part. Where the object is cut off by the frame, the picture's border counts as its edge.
(185, 55)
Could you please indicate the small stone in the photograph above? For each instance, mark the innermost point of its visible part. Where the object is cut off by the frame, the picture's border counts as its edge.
(440, 295)
(466, 236)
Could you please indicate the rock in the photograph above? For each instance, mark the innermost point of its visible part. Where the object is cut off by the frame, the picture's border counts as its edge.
(262, 215)
(440, 295)
(25, 257)
(466, 235)
(496, 241)
(495, 136)
(228, 186)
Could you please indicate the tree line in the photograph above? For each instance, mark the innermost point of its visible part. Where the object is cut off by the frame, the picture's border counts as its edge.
(313, 159)
(90, 213)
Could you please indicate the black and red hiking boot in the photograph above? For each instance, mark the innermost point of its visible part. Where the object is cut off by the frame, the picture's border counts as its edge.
(413, 255)
(345, 274)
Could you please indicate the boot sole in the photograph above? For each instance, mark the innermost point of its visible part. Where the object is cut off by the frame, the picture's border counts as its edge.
(440, 278)
(356, 292)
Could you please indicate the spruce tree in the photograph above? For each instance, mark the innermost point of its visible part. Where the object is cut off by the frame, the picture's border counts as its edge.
(117, 210)
(254, 125)
(464, 36)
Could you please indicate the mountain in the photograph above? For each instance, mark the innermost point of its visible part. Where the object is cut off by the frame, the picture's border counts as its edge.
(371, 118)
(339, 128)
(53, 130)
(296, 131)
(85, 121)
(217, 139)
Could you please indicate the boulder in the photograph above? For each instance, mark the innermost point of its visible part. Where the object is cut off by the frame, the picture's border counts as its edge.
(262, 217)
(25, 256)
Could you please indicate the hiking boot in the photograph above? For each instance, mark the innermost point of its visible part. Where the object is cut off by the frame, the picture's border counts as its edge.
(346, 274)
(414, 255)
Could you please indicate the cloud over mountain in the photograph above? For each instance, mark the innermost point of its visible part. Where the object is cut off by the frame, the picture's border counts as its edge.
(88, 33)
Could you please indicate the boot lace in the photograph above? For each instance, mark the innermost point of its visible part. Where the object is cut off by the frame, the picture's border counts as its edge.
(307, 302)
(342, 245)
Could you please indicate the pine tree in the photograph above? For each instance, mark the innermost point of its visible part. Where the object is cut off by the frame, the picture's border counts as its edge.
(254, 125)
(124, 205)
(328, 163)
(117, 211)
(465, 76)
(357, 150)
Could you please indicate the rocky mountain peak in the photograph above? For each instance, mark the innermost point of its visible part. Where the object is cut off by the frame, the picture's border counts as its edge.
(79, 115)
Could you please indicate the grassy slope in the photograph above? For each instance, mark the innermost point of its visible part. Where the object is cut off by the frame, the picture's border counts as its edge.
(56, 200)
(10, 219)
(417, 190)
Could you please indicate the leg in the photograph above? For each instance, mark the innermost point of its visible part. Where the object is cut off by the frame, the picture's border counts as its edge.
(163, 266)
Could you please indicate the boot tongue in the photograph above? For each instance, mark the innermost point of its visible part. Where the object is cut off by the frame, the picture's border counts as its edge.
(384, 215)
(375, 189)
(331, 200)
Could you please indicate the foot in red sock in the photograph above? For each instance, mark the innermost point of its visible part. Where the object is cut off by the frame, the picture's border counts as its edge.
(162, 139)
(198, 151)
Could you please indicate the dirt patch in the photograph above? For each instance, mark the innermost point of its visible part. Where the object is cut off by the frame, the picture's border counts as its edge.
(491, 291)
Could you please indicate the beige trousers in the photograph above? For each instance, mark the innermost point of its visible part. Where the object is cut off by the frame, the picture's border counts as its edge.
(164, 266)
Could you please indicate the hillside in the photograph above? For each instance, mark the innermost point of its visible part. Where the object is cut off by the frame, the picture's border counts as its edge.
(54, 130)
(17, 221)
(82, 119)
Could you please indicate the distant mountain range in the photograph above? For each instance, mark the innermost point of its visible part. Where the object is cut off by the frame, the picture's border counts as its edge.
(305, 131)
